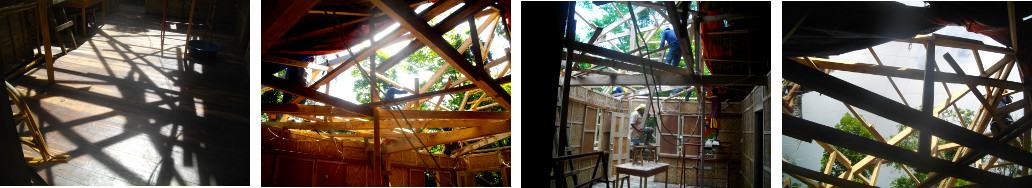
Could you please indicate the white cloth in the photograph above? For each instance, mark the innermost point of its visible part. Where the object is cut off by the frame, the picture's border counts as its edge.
(637, 123)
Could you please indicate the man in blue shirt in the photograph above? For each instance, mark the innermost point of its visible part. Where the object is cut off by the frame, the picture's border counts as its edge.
(673, 56)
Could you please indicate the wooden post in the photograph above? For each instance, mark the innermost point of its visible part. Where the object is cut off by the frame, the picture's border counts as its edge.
(375, 97)
(924, 138)
(44, 6)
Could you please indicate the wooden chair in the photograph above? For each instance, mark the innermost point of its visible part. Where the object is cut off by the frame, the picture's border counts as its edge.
(91, 19)
(62, 22)
(36, 141)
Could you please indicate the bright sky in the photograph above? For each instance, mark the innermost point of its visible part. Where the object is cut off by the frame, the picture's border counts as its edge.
(343, 85)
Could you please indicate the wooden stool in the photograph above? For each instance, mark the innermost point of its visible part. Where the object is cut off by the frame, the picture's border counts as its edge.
(638, 150)
(622, 178)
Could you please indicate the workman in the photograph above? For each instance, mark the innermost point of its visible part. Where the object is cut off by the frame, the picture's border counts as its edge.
(638, 128)
(1007, 119)
(673, 56)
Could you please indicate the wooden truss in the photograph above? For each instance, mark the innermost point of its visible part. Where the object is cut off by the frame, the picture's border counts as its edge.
(372, 120)
(1012, 144)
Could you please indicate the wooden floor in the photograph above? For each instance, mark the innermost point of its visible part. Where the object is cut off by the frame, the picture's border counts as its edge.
(129, 113)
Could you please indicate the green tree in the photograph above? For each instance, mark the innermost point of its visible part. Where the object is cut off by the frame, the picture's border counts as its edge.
(849, 124)
(910, 143)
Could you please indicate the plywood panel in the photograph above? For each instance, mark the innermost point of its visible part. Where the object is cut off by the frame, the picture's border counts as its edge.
(446, 179)
(417, 178)
(268, 165)
(690, 123)
(399, 177)
(358, 175)
(669, 123)
(590, 122)
(330, 174)
(294, 172)
(668, 145)
(590, 118)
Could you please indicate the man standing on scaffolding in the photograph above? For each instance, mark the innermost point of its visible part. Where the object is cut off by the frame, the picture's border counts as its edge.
(673, 56)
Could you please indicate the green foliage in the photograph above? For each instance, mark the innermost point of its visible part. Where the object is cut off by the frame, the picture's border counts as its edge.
(850, 124)
(489, 179)
(910, 143)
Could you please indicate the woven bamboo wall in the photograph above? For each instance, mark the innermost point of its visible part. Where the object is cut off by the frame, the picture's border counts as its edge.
(311, 143)
(593, 98)
(487, 161)
(758, 101)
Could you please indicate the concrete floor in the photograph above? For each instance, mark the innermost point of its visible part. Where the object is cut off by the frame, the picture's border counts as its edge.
(636, 182)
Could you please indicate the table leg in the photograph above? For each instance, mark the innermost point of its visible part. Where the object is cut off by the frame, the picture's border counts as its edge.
(84, 21)
(667, 176)
(103, 12)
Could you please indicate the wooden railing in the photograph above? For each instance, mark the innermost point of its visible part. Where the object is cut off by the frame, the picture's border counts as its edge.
(602, 162)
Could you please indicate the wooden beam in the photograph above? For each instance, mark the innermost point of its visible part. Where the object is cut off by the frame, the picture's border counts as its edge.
(797, 127)
(427, 95)
(338, 13)
(283, 85)
(433, 11)
(907, 73)
(302, 109)
(443, 27)
(449, 137)
(678, 80)
(280, 19)
(792, 169)
(414, 45)
(957, 42)
(634, 60)
(884, 107)
(383, 135)
(291, 62)
(384, 124)
(419, 114)
(433, 39)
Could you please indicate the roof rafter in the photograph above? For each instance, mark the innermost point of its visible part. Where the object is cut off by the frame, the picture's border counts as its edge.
(450, 137)
(430, 36)
(384, 124)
